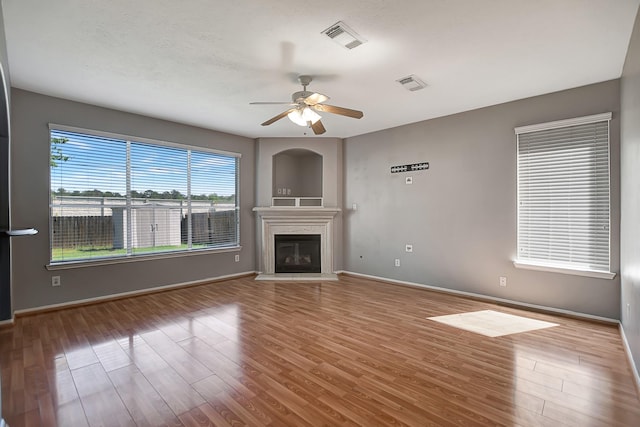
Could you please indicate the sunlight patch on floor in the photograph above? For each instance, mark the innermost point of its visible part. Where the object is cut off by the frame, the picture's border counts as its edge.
(492, 323)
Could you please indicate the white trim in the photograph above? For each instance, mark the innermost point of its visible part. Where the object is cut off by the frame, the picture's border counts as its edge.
(563, 123)
(490, 298)
(10, 321)
(109, 297)
(113, 135)
(135, 258)
(627, 350)
(564, 270)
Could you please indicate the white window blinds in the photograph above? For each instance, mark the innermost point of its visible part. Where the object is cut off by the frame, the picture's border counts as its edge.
(563, 194)
(118, 197)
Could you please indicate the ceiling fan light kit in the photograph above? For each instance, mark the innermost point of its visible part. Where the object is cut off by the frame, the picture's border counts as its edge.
(305, 106)
(304, 116)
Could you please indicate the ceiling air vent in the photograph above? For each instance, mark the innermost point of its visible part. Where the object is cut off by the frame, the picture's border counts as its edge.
(412, 83)
(343, 35)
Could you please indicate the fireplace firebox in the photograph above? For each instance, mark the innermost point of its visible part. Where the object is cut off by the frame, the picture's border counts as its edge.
(297, 253)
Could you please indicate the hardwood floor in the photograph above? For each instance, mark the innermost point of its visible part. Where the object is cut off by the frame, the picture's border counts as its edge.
(353, 352)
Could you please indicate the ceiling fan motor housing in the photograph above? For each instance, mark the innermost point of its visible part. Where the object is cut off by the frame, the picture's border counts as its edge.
(299, 96)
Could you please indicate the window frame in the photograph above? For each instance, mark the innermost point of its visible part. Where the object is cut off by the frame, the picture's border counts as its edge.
(129, 257)
(559, 267)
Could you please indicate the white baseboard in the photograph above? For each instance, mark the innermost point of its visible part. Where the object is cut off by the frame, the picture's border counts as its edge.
(627, 350)
(7, 322)
(103, 298)
(490, 298)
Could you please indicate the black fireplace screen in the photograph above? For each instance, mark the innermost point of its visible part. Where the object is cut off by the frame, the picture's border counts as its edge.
(297, 253)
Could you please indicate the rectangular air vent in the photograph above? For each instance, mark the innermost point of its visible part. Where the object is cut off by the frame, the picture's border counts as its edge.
(412, 83)
(343, 35)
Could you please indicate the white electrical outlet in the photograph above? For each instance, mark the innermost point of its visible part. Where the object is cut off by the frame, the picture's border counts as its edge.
(354, 207)
(55, 280)
(408, 180)
(503, 281)
(237, 258)
(397, 263)
(408, 248)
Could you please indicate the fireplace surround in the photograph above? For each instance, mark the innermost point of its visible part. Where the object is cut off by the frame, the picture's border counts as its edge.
(296, 221)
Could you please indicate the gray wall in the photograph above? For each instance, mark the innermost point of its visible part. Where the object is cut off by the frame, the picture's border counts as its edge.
(285, 172)
(630, 189)
(30, 198)
(298, 170)
(310, 173)
(460, 215)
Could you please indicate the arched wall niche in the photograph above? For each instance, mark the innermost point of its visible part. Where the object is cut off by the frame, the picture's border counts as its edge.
(297, 172)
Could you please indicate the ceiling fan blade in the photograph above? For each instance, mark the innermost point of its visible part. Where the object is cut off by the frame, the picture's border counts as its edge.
(338, 110)
(318, 128)
(278, 117)
(272, 103)
(315, 98)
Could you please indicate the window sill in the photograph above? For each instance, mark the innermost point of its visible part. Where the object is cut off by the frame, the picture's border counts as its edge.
(587, 273)
(137, 258)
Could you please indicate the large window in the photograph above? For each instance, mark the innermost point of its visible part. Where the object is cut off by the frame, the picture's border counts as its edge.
(563, 195)
(121, 197)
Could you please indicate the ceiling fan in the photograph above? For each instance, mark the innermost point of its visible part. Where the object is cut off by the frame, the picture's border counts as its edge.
(304, 107)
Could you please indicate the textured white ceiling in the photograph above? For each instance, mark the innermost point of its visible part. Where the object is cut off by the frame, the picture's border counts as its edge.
(201, 62)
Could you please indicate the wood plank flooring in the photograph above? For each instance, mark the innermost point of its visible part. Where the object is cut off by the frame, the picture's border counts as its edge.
(353, 352)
